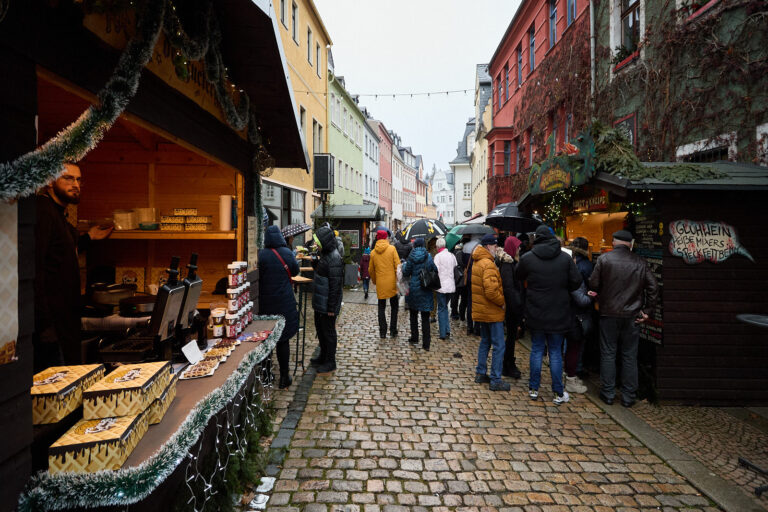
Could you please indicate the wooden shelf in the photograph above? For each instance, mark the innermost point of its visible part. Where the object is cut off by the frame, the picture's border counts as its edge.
(140, 234)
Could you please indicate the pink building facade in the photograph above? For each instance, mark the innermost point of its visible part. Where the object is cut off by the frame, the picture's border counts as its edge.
(385, 165)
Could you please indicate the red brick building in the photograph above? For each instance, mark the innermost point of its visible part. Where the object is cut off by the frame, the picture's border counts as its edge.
(540, 72)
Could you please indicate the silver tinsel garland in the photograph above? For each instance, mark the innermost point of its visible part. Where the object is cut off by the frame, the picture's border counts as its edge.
(131, 485)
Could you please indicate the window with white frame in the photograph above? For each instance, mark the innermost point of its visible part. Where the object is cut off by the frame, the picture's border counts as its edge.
(720, 147)
(761, 134)
(630, 24)
(338, 111)
(344, 121)
(282, 12)
(627, 24)
(531, 49)
(467, 190)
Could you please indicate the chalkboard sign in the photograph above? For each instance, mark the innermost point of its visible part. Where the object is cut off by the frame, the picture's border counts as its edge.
(648, 229)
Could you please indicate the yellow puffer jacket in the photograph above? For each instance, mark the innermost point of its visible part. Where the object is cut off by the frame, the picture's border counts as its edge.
(383, 269)
(487, 292)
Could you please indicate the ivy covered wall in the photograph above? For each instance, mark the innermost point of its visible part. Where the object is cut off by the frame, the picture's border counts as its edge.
(700, 72)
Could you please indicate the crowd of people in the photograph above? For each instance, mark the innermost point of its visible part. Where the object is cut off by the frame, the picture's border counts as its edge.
(531, 281)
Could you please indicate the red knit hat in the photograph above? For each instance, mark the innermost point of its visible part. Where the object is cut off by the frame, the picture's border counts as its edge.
(381, 235)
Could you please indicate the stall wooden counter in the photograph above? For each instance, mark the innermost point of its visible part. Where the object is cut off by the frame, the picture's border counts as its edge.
(157, 469)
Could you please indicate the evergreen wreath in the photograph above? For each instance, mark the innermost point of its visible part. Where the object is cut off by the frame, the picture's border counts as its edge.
(126, 486)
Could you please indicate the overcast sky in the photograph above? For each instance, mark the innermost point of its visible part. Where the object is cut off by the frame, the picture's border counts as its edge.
(404, 46)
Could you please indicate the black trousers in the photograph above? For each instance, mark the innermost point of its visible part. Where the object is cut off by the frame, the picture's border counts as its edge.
(512, 320)
(283, 349)
(326, 334)
(393, 303)
(425, 334)
(463, 298)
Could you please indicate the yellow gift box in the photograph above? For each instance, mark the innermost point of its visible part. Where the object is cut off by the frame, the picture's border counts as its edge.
(126, 391)
(58, 390)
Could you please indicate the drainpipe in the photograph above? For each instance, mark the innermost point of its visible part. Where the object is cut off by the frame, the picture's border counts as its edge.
(592, 38)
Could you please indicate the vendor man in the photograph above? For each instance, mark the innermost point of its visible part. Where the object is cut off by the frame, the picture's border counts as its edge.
(57, 273)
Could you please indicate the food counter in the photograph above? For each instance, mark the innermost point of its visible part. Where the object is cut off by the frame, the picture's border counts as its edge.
(208, 418)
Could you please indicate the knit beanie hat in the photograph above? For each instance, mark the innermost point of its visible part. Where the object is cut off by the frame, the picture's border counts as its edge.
(511, 245)
(381, 235)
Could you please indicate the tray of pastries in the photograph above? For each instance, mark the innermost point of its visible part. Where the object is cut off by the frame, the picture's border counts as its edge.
(203, 368)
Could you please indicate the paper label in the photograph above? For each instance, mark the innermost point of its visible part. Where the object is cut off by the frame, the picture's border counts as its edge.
(192, 352)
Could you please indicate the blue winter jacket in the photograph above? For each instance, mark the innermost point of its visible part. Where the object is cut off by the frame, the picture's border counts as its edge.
(275, 289)
(418, 298)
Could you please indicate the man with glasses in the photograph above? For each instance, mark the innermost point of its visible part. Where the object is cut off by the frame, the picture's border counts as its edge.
(57, 272)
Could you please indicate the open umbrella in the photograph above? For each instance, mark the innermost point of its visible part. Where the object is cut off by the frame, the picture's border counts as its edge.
(457, 232)
(422, 228)
(508, 217)
(295, 229)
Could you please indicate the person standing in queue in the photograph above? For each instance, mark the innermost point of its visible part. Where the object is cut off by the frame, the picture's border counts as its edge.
(277, 266)
(459, 308)
(506, 260)
(383, 271)
(419, 299)
(445, 262)
(328, 285)
(365, 276)
(57, 273)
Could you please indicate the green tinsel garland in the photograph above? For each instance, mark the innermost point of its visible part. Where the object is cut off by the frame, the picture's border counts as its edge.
(615, 155)
(131, 485)
(29, 172)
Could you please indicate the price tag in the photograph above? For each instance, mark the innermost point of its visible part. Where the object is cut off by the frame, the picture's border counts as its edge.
(192, 352)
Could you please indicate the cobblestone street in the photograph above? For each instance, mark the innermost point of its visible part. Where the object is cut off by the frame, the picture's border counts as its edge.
(397, 428)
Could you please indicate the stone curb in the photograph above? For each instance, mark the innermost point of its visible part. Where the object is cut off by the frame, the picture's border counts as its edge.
(725, 494)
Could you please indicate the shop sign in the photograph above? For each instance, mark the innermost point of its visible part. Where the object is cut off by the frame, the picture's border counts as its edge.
(593, 203)
(560, 171)
(699, 241)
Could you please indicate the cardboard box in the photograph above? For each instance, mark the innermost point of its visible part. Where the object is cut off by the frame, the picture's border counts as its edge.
(160, 406)
(127, 391)
(58, 390)
(93, 445)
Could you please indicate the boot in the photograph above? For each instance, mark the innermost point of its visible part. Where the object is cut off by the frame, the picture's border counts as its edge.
(365, 296)
(327, 367)
(317, 361)
(285, 381)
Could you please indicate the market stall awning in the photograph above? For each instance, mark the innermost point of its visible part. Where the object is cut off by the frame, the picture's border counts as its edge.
(735, 176)
(349, 211)
(254, 52)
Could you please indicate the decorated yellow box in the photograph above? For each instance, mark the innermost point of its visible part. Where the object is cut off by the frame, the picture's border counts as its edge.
(58, 390)
(127, 391)
(93, 445)
(160, 406)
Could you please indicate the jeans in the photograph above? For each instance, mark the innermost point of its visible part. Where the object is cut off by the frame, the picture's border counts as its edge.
(425, 334)
(614, 333)
(366, 282)
(491, 335)
(393, 303)
(442, 314)
(554, 343)
(325, 326)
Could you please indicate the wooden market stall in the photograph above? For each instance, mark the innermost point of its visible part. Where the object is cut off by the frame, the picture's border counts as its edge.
(173, 146)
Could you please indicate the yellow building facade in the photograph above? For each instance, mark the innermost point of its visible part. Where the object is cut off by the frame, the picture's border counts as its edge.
(288, 193)
(479, 163)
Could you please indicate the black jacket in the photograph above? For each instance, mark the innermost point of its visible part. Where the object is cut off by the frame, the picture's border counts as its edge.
(329, 274)
(275, 288)
(513, 289)
(403, 250)
(57, 286)
(624, 283)
(551, 276)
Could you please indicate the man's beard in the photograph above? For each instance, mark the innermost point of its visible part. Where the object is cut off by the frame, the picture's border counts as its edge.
(62, 196)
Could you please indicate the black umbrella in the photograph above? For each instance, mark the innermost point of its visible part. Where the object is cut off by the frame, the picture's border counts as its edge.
(422, 228)
(508, 217)
(474, 229)
(295, 229)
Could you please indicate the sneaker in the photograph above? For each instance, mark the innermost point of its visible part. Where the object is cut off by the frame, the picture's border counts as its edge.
(482, 379)
(575, 385)
(561, 399)
(500, 386)
(533, 394)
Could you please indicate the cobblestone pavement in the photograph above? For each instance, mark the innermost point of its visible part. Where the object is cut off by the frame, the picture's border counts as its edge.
(715, 438)
(396, 428)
